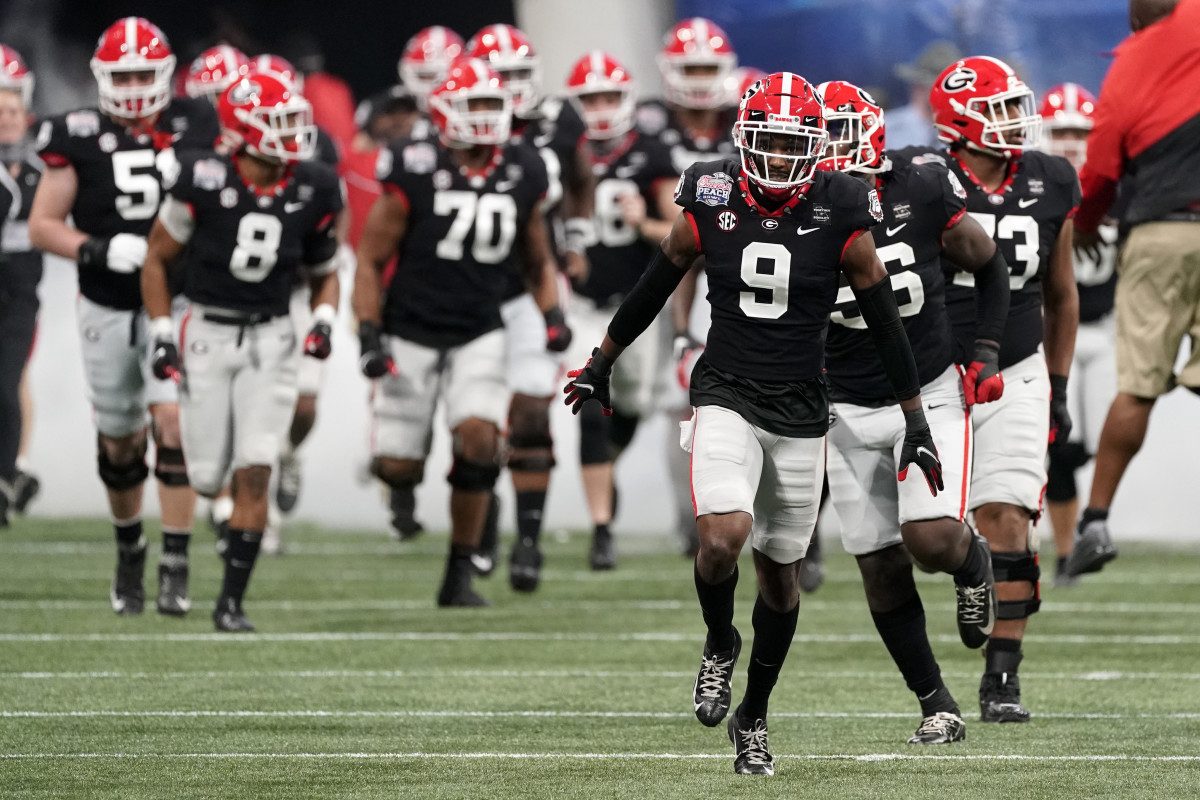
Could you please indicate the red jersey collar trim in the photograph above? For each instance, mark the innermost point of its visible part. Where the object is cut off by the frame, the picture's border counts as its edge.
(752, 201)
(1013, 165)
(607, 158)
(487, 169)
(274, 189)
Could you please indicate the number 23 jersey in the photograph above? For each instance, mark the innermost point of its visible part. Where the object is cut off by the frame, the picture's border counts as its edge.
(458, 247)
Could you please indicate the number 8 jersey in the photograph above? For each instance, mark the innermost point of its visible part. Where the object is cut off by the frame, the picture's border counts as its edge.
(458, 247)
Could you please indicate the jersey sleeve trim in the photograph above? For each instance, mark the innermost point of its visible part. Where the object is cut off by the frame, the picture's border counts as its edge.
(55, 160)
(957, 218)
(853, 237)
(398, 193)
(178, 218)
(695, 229)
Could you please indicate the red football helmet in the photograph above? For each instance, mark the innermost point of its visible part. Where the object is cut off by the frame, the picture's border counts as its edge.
(450, 109)
(1068, 112)
(855, 123)
(133, 45)
(426, 60)
(741, 80)
(214, 70)
(780, 133)
(15, 76)
(264, 114)
(596, 73)
(511, 55)
(981, 104)
(697, 43)
(278, 66)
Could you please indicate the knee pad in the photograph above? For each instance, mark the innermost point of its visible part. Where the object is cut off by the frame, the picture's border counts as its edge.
(623, 429)
(170, 468)
(394, 480)
(1065, 459)
(531, 450)
(595, 440)
(120, 477)
(473, 476)
(1012, 567)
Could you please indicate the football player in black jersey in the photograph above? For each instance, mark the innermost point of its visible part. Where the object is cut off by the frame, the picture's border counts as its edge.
(632, 202)
(776, 236)
(462, 211)
(101, 171)
(1025, 200)
(1067, 112)
(238, 225)
(535, 344)
(887, 524)
(20, 272)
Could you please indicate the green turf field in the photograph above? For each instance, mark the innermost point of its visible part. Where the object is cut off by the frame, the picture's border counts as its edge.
(357, 687)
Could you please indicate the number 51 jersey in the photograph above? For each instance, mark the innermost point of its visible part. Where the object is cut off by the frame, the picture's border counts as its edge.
(457, 250)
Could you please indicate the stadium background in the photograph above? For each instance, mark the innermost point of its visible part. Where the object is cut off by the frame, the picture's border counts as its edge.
(861, 40)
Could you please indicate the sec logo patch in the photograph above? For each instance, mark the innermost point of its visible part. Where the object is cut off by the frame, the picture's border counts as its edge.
(727, 221)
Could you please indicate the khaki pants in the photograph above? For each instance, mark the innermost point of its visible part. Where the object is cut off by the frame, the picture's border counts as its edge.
(1158, 303)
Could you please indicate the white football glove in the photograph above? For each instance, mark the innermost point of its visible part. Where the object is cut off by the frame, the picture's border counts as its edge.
(126, 253)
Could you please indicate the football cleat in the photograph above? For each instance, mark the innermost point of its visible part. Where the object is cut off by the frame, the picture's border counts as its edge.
(127, 594)
(525, 566)
(1061, 579)
(1000, 698)
(602, 555)
(173, 599)
(753, 756)
(229, 617)
(812, 567)
(1093, 549)
(459, 594)
(483, 560)
(25, 488)
(940, 728)
(712, 692)
(976, 611)
(287, 491)
(404, 525)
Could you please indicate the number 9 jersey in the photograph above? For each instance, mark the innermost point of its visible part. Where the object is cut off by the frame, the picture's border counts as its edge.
(245, 244)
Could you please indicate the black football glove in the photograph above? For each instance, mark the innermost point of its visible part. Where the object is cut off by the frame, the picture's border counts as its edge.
(590, 383)
(1060, 417)
(983, 382)
(318, 343)
(164, 360)
(919, 449)
(375, 362)
(558, 335)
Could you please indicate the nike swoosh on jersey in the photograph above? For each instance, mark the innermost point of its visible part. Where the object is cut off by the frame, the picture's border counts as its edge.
(1027, 202)
(290, 207)
(803, 231)
(895, 230)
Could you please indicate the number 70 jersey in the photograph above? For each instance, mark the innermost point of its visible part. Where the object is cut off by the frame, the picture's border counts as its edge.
(459, 244)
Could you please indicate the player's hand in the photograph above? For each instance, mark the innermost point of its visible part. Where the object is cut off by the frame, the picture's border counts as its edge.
(590, 383)
(558, 334)
(164, 360)
(633, 209)
(319, 343)
(1087, 245)
(983, 382)
(919, 449)
(375, 361)
(126, 253)
(1060, 417)
(685, 350)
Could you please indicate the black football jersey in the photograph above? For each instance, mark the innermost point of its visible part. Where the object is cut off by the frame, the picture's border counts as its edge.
(327, 150)
(772, 284)
(1096, 280)
(458, 249)
(1024, 216)
(248, 244)
(620, 255)
(654, 118)
(120, 185)
(14, 240)
(919, 203)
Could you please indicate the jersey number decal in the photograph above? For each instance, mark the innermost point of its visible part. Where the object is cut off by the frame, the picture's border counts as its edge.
(907, 286)
(776, 280)
(485, 213)
(139, 190)
(1097, 273)
(611, 229)
(257, 250)
(1025, 261)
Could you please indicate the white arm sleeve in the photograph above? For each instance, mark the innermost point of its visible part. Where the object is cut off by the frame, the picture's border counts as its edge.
(176, 217)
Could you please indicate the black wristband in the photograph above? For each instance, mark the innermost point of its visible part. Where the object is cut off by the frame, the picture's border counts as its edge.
(1058, 385)
(990, 348)
(992, 298)
(914, 419)
(555, 317)
(648, 297)
(94, 253)
(369, 337)
(877, 304)
(600, 362)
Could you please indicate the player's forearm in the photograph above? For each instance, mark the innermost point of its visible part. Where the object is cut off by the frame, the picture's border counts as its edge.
(367, 294)
(55, 236)
(647, 299)
(540, 280)
(156, 296)
(325, 290)
(654, 230)
(1061, 321)
(682, 301)
(877, 303)
(992, 299)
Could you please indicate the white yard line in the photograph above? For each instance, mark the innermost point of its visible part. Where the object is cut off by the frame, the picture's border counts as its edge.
(603, 756)
(539, 714)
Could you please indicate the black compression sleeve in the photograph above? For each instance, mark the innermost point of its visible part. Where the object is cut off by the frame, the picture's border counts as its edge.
(992, 298)
(879, 310)
(648, 297)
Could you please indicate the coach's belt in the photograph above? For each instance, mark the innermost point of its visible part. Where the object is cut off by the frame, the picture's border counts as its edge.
(241, 320)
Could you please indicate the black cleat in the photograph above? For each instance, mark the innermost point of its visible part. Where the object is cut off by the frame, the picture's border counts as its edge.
(525, 566)
(460, 595)
(1061, 579)
(128, 595)
(229, 617)
(404, 525)
(287, 490)
(602, 555)
(25, 487)
(1093, 549)
(712, 692)
(812, 567)
(753, 757)
(977, 604)
(173, 598)
(1000, 698)
(940, 728)
(483, 560)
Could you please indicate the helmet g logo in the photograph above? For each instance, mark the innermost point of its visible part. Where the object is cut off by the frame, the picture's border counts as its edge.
(960, 78)
(243, 91)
